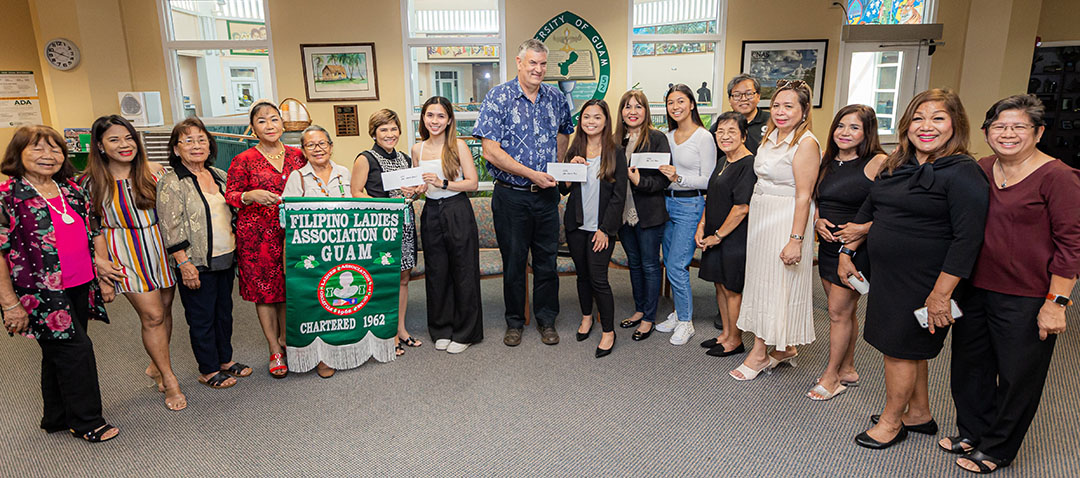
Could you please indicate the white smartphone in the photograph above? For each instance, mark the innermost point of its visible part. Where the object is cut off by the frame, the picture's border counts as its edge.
(861, 286)
(923, 316)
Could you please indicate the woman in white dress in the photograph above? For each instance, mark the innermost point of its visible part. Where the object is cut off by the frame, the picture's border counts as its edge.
(777, 300)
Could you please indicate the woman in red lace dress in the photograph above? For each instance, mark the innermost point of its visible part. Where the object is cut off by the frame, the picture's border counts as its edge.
(255, 180)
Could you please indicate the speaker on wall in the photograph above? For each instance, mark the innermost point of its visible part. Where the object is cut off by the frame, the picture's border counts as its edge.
(142, 108)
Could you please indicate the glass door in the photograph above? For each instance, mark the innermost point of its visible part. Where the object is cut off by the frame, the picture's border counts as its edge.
(884, 77)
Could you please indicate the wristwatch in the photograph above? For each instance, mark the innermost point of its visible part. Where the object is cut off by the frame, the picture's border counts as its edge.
(845, 250)
(445, 183)
(1059, 299)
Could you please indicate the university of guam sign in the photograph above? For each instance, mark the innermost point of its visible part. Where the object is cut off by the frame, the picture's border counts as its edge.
(578, 60)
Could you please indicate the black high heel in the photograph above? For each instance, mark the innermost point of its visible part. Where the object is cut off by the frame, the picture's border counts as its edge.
(604, 353)
(581, 337)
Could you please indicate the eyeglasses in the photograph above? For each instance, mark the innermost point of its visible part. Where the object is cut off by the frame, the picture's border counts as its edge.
(189, 142)
(1018, 128)
(743, 96)
(323, 145)
(793, 84)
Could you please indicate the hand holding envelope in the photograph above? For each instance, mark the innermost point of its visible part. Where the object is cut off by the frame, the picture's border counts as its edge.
(649, 160)
(569, 172)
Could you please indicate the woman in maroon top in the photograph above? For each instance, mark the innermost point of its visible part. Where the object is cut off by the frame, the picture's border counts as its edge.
(255, 180)
(1028, 265)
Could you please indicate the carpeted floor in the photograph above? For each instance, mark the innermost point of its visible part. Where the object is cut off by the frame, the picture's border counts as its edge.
(649, 409)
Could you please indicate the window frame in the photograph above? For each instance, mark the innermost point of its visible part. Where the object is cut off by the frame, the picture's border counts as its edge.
(719, 38)
(170, 49)
(408, 42)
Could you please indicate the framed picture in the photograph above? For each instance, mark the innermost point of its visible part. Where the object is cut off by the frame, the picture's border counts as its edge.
(769, 61)
(339, 71)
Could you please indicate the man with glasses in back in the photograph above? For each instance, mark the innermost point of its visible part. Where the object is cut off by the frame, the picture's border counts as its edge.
(744, 93)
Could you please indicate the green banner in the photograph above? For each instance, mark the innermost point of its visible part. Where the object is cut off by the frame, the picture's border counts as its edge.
(342, 278)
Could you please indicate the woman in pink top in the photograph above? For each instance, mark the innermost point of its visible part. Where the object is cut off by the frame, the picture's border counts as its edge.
(47, 286)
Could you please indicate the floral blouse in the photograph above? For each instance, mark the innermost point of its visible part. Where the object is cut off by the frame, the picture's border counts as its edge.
(28, 241)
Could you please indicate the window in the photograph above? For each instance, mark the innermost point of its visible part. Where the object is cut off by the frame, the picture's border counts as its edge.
(678, 41)
(456, 50)
(217, 53)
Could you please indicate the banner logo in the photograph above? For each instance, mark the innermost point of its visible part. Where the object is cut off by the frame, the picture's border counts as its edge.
(578, 60)
(345, 289)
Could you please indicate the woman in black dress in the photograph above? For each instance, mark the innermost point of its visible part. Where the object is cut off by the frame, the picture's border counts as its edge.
(852, 159)
(385, 128)
(721, 233)
(928, 209)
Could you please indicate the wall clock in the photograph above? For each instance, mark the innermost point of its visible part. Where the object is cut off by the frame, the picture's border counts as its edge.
(62, 54)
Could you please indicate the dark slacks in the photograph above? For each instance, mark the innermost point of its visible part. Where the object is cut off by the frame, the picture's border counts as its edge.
(452, 270)
(528, 222)
(592, 276)
(69, 380)
(208, 311)
(999, 367)
(642, 246)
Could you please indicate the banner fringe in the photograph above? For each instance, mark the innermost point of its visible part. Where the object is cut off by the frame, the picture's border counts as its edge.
(340, 357)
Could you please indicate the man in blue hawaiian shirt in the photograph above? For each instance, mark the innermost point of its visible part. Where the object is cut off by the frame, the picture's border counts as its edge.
(525, 124)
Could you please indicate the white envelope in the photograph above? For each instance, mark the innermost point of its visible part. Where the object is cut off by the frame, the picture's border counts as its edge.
(569, 172)
(403, 177)
(649, 160)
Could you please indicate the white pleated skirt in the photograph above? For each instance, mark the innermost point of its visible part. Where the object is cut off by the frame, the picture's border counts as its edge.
(777, 303)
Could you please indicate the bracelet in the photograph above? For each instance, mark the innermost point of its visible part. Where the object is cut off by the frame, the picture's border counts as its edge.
(845, 250)
(717, 235)
(186, 261)
(796, 237)
(12, 307)
(242, 200)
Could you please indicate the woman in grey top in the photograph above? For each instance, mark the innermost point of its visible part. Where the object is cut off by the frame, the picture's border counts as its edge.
(198, 228)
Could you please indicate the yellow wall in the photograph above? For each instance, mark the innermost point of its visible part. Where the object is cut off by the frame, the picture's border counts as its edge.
(20, 53)
(1060, 20)
(121, 45)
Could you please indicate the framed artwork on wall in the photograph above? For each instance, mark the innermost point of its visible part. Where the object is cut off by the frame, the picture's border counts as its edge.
(769, 61)
(339, 71)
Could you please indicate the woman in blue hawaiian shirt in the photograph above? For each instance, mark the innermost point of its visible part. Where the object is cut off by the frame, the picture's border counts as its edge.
(48, 287)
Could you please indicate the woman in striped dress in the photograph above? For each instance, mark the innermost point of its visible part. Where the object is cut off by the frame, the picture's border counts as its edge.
(131, 252)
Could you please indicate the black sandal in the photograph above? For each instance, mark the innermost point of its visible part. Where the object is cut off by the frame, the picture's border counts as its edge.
(217, 381)
(958, 445)
(977, 457)
(94, 436)
(399, 350)
(411, 342)
(238, 369)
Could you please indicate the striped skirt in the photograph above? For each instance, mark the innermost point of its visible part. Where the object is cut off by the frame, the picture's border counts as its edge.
(777, 303)
(141, 253)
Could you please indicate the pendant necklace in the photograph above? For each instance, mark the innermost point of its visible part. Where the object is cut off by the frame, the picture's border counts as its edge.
(64, 216)
(1004, 177)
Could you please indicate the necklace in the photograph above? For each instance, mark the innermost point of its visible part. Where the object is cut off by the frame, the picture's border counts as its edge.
(272, 157)
(318, 181)
(1005, 177)
(64, 216)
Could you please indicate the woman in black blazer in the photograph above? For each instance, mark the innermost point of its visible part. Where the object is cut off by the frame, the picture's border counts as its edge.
(593, 214)
(645, 211)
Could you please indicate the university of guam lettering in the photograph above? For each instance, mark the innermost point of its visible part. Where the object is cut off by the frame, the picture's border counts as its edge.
(342, 274)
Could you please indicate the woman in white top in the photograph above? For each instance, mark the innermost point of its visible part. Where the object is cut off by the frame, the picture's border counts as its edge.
(693, 157)
(777, 302)
(321, 177)
(448, 228)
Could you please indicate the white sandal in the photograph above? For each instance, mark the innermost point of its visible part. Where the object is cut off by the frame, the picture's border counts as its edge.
(750, 374)
(822, 394)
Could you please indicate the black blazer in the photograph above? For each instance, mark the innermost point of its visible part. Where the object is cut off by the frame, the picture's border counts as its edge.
(649, 193)
(612, 199)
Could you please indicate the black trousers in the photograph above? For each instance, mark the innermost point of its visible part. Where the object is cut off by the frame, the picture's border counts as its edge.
(999, 366)
(592, 276)
(452, 270)
(69, 380)
(208, 311)
(528, 222)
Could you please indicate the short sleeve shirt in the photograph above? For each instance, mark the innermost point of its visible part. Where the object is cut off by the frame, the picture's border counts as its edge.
(528, 131)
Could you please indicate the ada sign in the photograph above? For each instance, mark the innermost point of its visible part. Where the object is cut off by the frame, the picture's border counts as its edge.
(578, 60)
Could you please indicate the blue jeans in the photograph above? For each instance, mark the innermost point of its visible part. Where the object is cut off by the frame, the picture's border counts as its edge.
(684, 214)
(642, 246)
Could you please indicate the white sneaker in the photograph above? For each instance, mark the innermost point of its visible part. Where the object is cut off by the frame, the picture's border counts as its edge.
(669, 324)
(441, 344)
(682, 334)
(456, 348)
